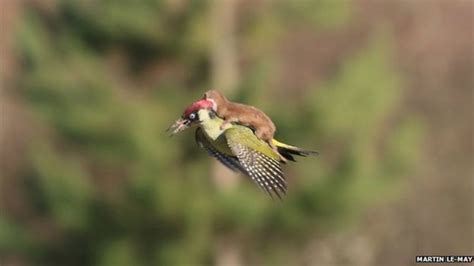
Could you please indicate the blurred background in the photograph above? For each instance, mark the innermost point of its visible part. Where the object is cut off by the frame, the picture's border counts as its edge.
(383, 89)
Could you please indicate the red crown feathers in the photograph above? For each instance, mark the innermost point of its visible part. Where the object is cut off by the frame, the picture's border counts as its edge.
(201, 104)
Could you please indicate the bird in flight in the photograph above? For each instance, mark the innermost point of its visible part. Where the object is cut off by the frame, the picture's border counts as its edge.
(238, 147)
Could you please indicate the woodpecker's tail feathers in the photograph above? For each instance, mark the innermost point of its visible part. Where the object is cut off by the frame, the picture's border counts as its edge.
(287, 151)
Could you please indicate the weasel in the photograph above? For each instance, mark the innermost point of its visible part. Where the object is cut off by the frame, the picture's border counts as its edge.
(245, 115)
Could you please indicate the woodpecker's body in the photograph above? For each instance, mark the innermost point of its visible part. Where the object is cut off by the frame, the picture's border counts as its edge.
(215, 128)
(244, 115)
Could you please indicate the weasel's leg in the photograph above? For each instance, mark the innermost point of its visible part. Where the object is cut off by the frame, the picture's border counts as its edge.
(227, 122)
(267, 136)
(275, 149)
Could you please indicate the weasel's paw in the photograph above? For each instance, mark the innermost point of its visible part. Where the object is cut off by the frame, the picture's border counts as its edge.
(223, 125)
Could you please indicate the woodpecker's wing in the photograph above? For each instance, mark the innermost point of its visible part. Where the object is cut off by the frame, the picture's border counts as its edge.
(257, 158)
(230, 162)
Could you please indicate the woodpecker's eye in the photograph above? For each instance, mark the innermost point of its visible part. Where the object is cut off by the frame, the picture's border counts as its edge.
(192, 116)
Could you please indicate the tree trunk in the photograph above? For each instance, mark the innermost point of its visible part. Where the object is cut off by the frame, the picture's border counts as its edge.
(225, 77)
(224, 71)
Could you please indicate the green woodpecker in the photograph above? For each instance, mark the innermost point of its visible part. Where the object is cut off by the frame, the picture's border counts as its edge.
(245, 115)
(238, 148)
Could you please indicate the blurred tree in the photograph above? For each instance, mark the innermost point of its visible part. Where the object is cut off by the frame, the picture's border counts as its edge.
(107, 77)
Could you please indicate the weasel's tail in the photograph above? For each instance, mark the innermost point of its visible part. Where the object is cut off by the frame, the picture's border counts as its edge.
(287, 151)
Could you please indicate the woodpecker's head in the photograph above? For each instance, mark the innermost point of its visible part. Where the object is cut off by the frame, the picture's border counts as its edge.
(190, 116)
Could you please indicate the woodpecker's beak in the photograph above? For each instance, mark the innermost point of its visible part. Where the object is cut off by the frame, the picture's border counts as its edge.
(178, 126)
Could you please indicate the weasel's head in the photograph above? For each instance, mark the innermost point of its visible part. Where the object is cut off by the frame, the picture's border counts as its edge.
(216, 97)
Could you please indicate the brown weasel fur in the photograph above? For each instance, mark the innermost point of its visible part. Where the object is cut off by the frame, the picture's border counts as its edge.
(245, 115)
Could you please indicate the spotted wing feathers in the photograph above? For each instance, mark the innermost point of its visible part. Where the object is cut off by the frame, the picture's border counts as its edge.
(230, 162)
(264, 171)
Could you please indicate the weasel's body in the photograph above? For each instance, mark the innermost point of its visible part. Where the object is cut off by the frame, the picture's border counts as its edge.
(243, 114)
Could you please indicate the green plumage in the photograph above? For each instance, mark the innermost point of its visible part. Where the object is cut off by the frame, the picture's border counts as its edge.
(234, 133)
(239, 149)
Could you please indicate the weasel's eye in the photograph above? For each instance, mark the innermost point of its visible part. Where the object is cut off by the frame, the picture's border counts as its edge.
(192, 116)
